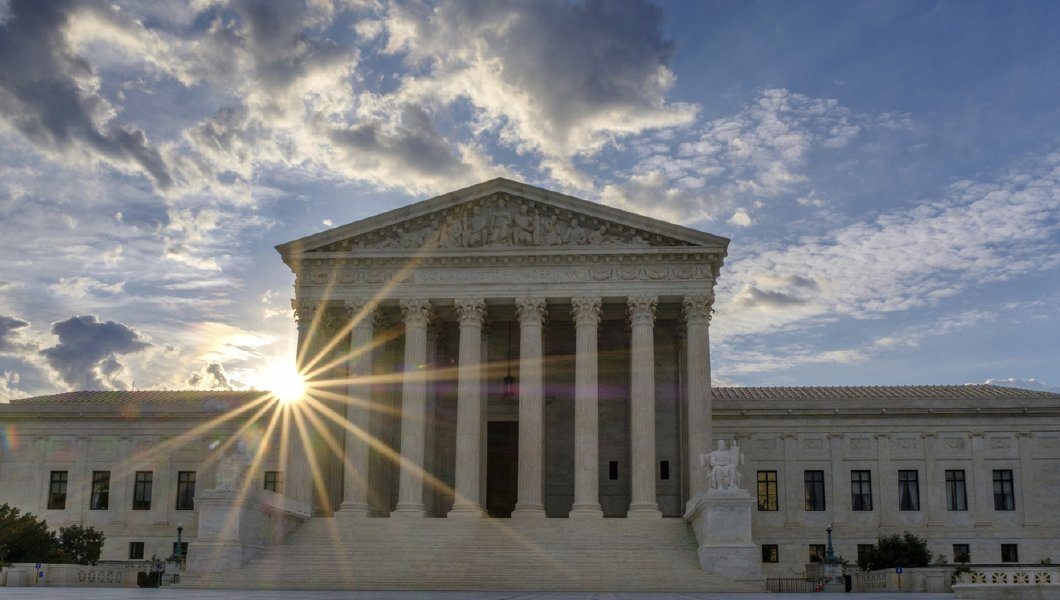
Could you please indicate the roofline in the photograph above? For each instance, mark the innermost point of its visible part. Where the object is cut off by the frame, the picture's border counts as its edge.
(459, 196)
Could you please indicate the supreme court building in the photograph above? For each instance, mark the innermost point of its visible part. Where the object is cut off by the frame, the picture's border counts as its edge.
(511, 390)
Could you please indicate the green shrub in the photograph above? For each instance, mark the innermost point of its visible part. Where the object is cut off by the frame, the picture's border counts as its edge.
(906, 550)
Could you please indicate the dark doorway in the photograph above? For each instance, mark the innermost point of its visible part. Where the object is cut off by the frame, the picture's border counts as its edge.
(502, 467)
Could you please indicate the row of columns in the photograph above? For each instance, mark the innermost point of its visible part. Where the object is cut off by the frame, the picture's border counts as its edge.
(471, 406)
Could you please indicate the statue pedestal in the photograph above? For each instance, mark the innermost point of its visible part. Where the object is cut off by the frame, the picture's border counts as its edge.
(234, 528)
(721, 520)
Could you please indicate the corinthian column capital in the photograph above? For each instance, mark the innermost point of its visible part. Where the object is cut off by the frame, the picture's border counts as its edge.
(471, 311)
(642, 309)
(304, 311)
(586, 310)
(698, 309)
(531, 310)
(417, 311)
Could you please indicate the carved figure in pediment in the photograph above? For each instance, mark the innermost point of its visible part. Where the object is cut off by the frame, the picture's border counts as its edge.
(598, 236)
(552, 235)
(525, 227)
(452, 235)
(501, 228)
(575, 234)
(475, 231)
(410, 239)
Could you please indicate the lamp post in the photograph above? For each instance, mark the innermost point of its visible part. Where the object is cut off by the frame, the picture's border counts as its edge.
(829, 553)
(180, 530)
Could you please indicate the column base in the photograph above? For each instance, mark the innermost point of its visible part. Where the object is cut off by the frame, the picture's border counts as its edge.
(529, 511)
(586, 511)
(354, 509)
(646, 510)
(409, 511)
(466, 511)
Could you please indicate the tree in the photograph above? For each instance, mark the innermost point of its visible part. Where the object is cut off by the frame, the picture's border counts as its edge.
(906, 550)
(24, 538)
(81, 545)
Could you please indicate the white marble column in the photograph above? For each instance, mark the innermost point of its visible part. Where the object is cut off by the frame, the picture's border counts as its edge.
(413, 409)
(697, 312)
(358, 413)
(642, 407)
(587, 312)
(298, 475)
(531, 312)
(470, 410)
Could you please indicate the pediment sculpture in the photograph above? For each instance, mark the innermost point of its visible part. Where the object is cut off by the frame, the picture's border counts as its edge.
(501, 220)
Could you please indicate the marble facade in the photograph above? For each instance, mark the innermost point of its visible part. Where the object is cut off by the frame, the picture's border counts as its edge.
(601, 318)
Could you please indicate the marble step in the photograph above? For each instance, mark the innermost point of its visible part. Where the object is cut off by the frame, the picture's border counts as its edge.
(486, 554)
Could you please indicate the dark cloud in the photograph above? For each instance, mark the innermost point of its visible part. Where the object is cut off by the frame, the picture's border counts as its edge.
(210, 377)
(557, 75)
(86, 356)
(45, 95)
(415, 144)
(10, 330)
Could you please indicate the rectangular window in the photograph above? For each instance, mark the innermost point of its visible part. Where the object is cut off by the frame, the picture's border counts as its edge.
(1010, 553)
(814, 490)
(956, 492)
(860, 490)
(1004, 498)
(142, 490)
(100, 490)
(57, 491)
(664, 470)
(767, 490)
(274, 481)
(908, 490)
(136, 550)
(816, 553)
(612, 469)
(962, 553)
(863, 550)
(770, 553)
(186, 490)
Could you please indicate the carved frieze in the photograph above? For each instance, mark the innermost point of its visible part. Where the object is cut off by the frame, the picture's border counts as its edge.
(375, 276)
(497, 221)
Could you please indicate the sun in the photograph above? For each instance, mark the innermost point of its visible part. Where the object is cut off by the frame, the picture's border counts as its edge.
(285, 382)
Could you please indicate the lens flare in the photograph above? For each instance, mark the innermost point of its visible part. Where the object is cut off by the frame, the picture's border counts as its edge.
(286, 383)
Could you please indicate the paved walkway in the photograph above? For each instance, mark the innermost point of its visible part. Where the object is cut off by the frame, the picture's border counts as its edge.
(168, 594)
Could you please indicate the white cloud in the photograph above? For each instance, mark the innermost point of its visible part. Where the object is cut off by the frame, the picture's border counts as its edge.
(740, 218)
(731, 163)
(9, 391)
(980, 232)
(79, 287)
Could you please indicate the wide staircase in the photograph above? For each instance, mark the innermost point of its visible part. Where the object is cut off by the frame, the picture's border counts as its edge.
(482, 554)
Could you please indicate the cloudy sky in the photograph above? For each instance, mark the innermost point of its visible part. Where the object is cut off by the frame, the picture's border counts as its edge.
(889, 172)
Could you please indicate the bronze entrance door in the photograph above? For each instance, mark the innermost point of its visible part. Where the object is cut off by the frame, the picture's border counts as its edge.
(502, 467)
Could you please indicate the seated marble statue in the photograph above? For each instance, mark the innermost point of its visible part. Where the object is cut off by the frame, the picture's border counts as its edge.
(724, 466)
(232, 468)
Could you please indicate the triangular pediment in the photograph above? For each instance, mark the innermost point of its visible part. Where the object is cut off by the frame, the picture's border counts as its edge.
(498, 214)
